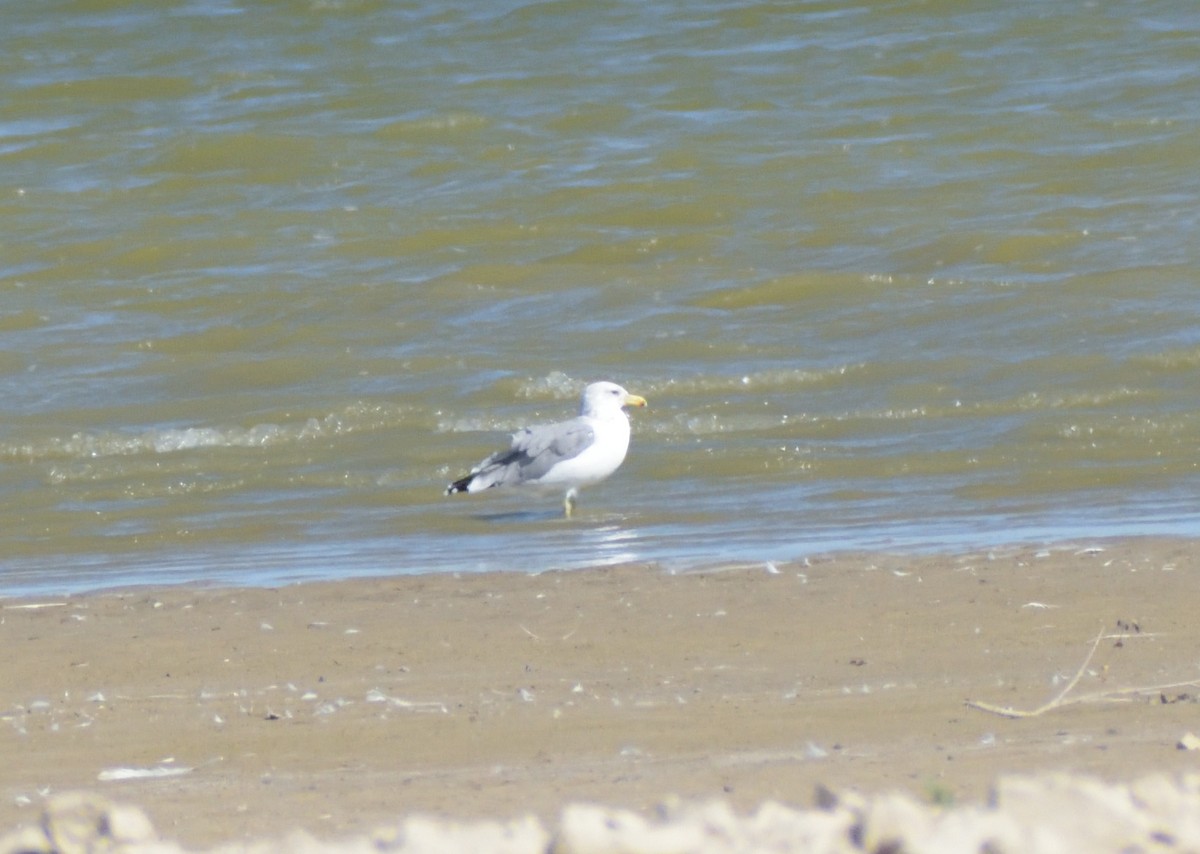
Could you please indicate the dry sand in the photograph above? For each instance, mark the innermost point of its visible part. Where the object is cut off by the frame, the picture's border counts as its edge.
(232, 714)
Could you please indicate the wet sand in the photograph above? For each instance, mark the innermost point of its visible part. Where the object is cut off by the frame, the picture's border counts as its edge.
(231, 714)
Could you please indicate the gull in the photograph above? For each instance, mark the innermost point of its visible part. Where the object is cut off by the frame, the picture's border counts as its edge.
(566, 455)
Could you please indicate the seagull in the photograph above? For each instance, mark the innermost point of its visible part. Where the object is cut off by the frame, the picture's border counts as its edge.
(566, 455)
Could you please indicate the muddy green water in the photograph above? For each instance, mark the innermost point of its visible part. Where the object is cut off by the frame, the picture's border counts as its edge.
(891, 275)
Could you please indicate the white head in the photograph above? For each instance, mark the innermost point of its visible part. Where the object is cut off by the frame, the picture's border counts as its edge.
(605, 399)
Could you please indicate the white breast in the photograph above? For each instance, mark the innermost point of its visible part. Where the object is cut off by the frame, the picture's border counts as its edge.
(603, 457)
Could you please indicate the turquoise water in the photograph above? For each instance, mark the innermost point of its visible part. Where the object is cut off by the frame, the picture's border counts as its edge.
(891, 275)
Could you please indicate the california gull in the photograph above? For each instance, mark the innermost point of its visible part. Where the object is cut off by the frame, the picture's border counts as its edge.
(567, 455)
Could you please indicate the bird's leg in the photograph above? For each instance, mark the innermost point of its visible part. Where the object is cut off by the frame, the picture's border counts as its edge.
(569, 502)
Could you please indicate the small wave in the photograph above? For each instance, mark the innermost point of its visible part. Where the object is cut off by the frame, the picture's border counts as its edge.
(773, 378)
(436, 125)
(1185, 359)
(555, 384)
(169, 440)
(161, 441)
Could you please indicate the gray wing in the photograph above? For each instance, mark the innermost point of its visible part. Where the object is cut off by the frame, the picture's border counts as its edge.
(539, 449)
(534, 451)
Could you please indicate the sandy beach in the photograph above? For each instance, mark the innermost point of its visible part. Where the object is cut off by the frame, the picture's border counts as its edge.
(234, 714)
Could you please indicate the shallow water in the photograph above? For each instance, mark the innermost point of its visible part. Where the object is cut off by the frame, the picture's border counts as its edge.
(916, 275)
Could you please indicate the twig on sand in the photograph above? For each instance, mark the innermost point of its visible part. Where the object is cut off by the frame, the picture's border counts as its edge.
(1060, 700)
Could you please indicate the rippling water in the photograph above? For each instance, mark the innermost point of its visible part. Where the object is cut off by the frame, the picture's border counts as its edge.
(907, 274)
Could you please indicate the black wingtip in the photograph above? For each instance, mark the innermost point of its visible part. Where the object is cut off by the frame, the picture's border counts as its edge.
(459, 485)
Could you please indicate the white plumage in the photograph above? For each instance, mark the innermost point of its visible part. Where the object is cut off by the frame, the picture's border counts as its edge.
(567, 455)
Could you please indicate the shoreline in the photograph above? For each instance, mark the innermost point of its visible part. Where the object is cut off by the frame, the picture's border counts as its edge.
(241, 713)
